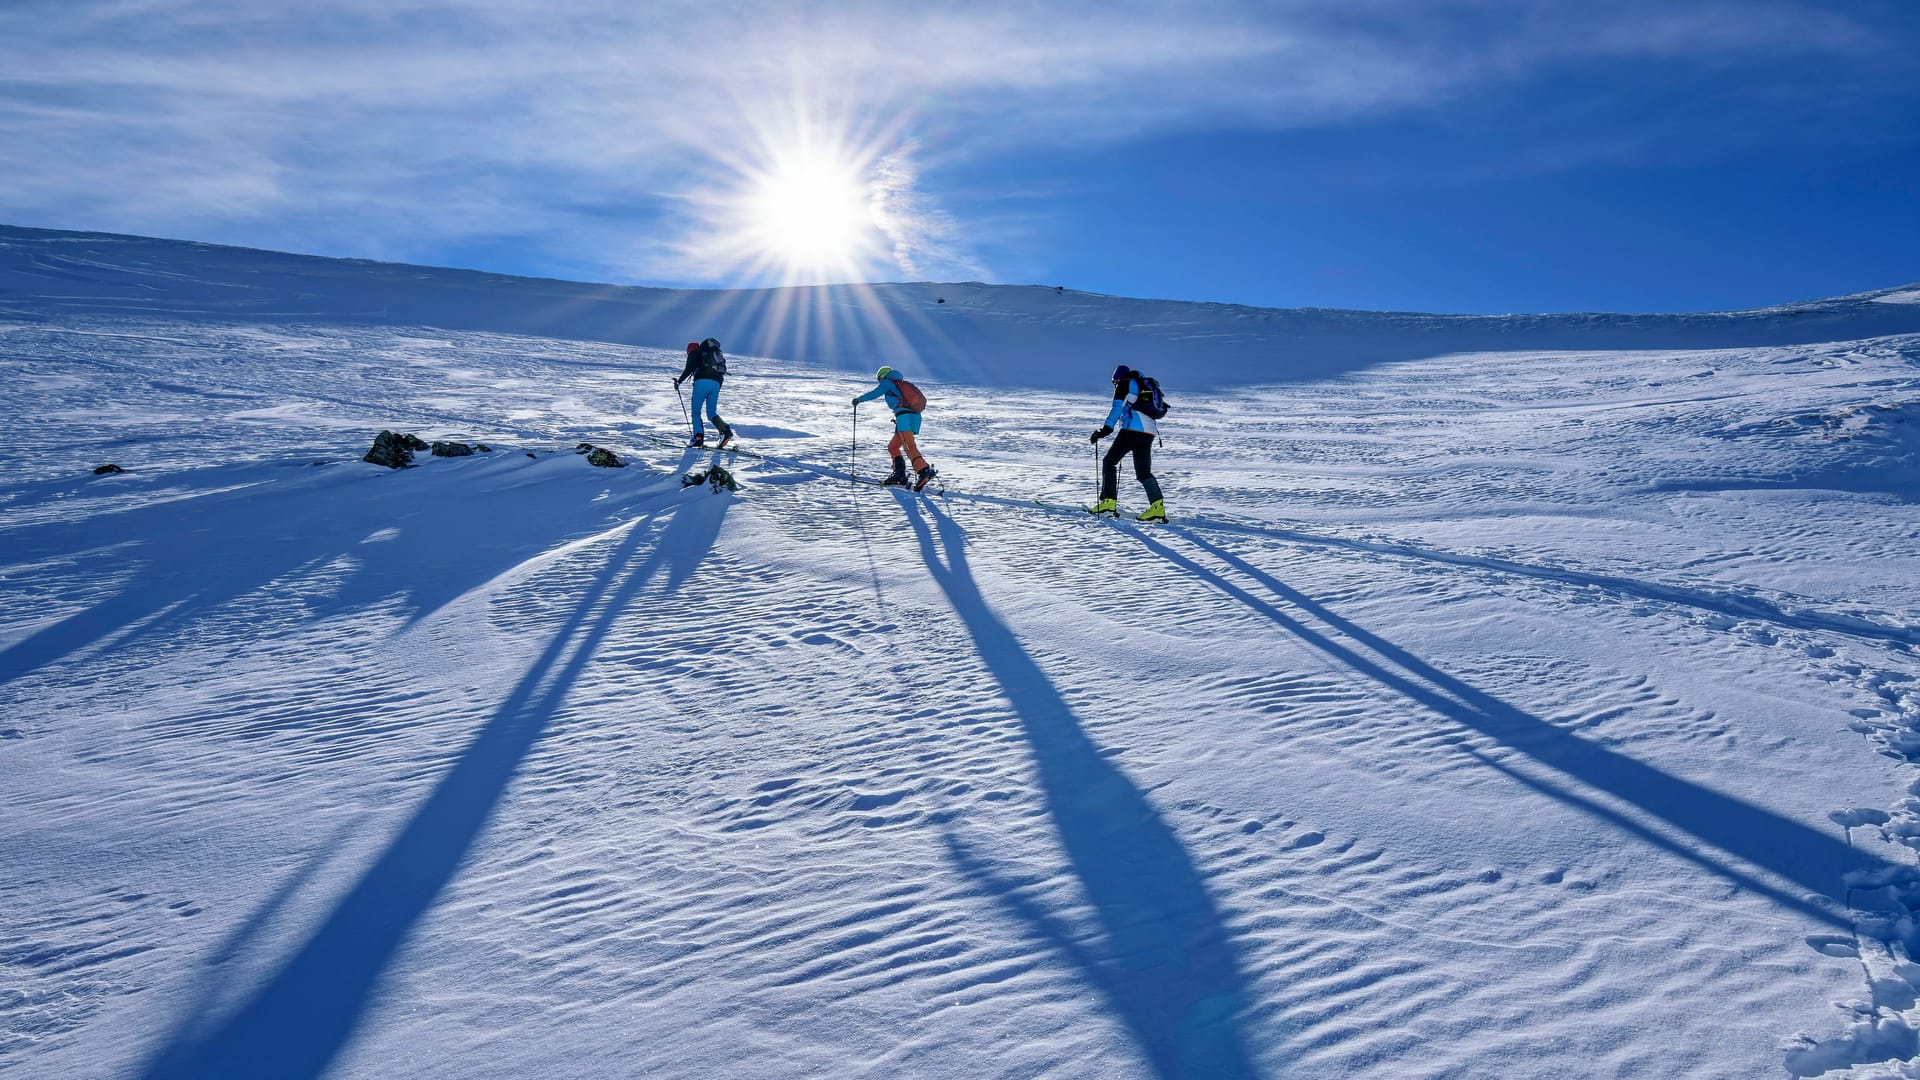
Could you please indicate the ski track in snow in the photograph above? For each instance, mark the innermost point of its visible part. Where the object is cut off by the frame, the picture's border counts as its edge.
(1501, 715)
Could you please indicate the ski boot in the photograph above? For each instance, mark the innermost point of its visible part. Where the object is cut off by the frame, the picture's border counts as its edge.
(924, 475)
(1156, 512)
(726, 434)
(1106, 508)
(899, 477)
(699, 440)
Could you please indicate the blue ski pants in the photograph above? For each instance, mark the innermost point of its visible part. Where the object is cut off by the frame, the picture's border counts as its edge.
(706, 392)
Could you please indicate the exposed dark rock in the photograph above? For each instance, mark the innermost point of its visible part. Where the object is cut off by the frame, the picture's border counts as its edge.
(413, 442)
(390, 448)
(483, 448)
(605, 458)
(716, 478)
(451, 449)
(103, 470)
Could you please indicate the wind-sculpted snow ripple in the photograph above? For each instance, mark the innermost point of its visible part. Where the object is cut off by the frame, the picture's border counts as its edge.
(1446, 731)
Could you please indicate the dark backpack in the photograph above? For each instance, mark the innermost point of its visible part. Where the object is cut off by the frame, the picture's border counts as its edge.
(1150, 401)
(911, 399)
(710, 361)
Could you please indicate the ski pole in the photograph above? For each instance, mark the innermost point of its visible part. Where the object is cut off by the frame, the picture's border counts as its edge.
(683, 404)
(1096, 472)
(853, 456)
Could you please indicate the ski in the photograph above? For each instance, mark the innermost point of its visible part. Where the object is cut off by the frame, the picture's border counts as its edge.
(1065, 508)
(938, 488)
(907, 489)
(726, 446)
(1061, 508)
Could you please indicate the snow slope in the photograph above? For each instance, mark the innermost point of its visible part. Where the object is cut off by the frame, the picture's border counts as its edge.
(1032, 336)
(1507, 714)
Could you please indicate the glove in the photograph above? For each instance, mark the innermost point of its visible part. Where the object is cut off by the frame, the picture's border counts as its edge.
(1102, 433)
(856, 403)
(676, 384)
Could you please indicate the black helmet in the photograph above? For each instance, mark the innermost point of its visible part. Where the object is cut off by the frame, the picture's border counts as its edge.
(711, 344)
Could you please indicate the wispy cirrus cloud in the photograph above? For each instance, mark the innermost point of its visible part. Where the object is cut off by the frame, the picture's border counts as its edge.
(592, 130)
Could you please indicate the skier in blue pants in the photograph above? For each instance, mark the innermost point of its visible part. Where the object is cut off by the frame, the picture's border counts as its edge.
(707, 366)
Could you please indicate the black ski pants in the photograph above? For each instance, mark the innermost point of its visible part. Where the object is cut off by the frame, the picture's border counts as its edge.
(1140, 445)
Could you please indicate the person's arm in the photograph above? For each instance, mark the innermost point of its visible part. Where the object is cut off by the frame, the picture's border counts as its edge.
(693, 361)
(878, 389)
(1120, 394)
(1113, 414)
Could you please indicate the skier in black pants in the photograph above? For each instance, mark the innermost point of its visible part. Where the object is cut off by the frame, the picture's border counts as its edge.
(1137, 431)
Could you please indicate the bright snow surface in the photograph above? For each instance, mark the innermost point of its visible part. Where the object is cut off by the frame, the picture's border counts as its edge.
(1541, 711)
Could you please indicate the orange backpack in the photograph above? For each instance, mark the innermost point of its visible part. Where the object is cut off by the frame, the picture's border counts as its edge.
(911, 399)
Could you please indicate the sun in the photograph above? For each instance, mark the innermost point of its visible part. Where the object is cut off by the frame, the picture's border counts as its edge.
(809, 197)
(811, 213)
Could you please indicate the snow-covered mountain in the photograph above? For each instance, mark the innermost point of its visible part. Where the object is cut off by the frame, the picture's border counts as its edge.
(1509, 697)
(1031, 336)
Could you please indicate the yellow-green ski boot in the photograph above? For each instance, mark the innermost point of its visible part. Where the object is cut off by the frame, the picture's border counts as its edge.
(1156, 512)
(1107, 508)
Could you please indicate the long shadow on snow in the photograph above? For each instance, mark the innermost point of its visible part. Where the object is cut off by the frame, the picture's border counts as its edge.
(1713, 601)
(1760, 837)
(296, 1024)
(202, 1013)
(1169, 968)
(194, 555)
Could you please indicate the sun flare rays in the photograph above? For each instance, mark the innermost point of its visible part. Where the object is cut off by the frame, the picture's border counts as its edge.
(813, 215)
(813, 198)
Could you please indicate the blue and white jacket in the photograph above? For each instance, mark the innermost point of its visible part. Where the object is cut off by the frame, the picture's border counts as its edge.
(1123, 416)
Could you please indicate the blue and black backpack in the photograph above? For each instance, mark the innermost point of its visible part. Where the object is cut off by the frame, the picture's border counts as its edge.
(1150, 401)
(711, 361)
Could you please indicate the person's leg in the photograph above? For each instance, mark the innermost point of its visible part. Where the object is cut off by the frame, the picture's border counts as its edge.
(906, 426)
(705, 391)
(912, 450)
(1110, 467)
(712, 398)
(1143, 465)
(893, 450)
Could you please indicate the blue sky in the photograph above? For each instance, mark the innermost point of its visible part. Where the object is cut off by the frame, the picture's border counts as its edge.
(1445, 155)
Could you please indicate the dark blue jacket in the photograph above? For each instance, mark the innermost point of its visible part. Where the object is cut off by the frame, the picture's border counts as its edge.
(706, 362)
